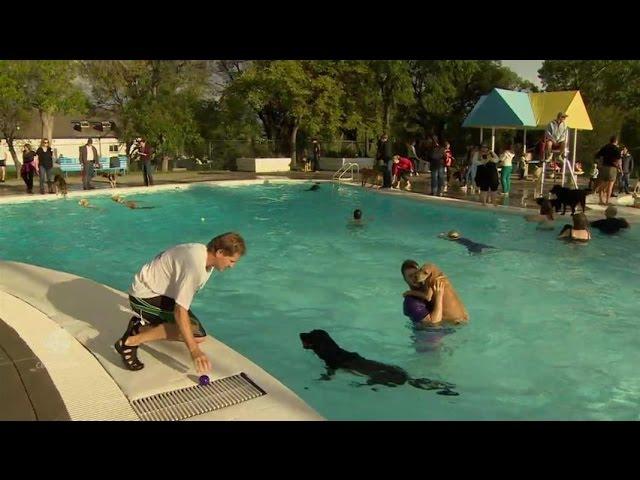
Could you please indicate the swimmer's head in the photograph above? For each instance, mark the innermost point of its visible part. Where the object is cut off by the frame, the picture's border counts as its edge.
(357, 214)
(453, 234)
(409, 269)
(83, 202)
(580, 221)
(611, 211)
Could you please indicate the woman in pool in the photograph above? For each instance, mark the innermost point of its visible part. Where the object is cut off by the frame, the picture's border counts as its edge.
(424, 310)
(579, 232)
(421, 311)
(545, 217)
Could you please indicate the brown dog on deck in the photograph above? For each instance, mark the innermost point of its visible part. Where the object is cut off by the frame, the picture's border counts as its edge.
(60, 185)
(372, 175)
(453, 309)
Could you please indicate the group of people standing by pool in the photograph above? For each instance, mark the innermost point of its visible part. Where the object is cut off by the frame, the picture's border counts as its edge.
(482, 170)
(37, 162)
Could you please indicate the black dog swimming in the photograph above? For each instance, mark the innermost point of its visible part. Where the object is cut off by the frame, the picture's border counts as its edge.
(379, 373)
(314, 187)
(569, 197)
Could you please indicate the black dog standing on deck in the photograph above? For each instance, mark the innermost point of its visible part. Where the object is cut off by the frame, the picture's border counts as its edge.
(569, 197)
(379, 373)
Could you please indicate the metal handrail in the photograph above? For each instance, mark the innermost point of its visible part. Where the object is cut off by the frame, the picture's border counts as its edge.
(347, 167)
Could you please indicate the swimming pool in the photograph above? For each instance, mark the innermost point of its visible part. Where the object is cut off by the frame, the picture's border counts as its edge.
(552, 334)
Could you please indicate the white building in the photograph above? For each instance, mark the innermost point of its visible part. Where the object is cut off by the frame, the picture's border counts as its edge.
(70, 132)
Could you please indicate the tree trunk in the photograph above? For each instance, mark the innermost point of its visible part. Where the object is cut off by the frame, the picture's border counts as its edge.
(386, 114)
(14, 155)
(294, 134)
(47, 124)
(165, 163)
(366, 144)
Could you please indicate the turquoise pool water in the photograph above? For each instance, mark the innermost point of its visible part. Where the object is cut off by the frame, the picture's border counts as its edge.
(553, 331)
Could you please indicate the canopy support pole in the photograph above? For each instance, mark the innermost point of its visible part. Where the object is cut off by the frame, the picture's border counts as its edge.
(493, 139)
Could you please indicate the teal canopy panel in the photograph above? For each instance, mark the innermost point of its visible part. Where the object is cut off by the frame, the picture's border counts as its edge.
(502, 109)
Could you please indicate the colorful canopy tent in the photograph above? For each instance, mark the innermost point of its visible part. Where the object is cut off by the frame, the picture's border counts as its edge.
(501, 109)
(546, 106)
(509, 109)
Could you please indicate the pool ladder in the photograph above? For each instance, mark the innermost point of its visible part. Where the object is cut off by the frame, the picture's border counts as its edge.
(346, 168)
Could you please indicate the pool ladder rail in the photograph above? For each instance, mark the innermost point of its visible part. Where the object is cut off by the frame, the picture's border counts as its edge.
(346, 168)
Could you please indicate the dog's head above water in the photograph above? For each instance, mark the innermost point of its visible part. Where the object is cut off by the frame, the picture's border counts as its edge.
(314, 338)
(320, 342)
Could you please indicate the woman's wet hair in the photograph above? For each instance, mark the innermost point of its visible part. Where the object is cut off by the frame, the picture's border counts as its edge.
(357, 214)
(408, 265)
(580, 221)
(546, 208)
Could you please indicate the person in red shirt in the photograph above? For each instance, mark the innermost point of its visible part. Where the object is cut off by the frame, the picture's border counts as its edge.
(402, 166)
(448, 163)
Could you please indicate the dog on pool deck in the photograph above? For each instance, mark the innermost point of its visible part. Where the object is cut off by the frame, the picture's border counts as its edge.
(60, 185)
(378, 373)
(569, 197)
(371, 175)
(112, 179)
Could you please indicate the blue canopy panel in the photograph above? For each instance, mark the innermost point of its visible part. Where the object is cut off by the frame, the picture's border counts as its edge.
(502, 109)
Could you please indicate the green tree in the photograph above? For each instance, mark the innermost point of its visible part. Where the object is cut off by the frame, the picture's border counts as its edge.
(157, 99)
(14, 104)
(288, 95)
(49, 85)
(393, 83)
(445, 92)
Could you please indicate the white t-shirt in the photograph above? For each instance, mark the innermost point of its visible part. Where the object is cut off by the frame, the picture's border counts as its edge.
(89, 153)
(177, 273)
(506, 158)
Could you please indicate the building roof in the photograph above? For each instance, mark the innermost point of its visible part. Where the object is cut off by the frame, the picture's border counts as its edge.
(63, 127)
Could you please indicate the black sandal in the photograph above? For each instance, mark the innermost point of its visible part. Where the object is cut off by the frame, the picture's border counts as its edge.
(128, 353)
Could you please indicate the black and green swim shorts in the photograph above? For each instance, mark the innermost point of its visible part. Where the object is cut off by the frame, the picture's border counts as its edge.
(157, 310)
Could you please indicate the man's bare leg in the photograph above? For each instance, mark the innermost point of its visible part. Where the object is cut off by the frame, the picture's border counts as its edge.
(609, 187)
(164, 331)
(548, 150)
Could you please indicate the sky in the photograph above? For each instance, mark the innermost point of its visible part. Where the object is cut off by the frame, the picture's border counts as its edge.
(527, 69)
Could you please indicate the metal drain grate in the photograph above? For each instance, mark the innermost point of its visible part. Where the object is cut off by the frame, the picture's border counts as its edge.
(190, 401)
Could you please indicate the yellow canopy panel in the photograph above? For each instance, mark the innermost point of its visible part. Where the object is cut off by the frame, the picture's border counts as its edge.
(546, 106)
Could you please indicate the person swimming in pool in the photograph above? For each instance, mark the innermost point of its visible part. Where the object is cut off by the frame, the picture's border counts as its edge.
(425, 315)
(472, 247)
(357, 220)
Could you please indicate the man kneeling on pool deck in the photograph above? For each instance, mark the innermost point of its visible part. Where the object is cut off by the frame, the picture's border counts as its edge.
(162, 292)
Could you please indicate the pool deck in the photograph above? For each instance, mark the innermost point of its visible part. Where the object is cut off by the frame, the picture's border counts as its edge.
(52, 346)
(71, 342)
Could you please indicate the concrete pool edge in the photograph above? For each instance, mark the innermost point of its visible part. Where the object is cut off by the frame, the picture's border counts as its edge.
(75, 345)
